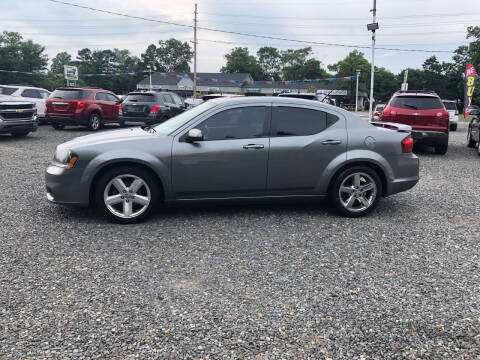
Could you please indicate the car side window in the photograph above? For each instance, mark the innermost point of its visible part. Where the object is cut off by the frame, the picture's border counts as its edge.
(236, 123)
(100, 96)
(44, 94)
(167, 98)
(177, 99)
(31, 93)
(112, 98)
(293, 121)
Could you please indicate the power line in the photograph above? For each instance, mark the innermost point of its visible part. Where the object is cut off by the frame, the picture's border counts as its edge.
(241, 33)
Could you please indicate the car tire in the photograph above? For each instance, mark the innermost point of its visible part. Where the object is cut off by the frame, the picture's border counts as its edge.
(441, 149)
(470, 142)
(20, 134)
(95, 121)
(355, 191)
(122, 124)
(136, 204)
(453, 127)
(58, 126)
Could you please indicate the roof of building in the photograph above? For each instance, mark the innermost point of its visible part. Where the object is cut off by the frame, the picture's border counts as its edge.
(203, 79)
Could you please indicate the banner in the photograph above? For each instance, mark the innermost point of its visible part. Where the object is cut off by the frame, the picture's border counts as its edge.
(70, 72)
(470, 80)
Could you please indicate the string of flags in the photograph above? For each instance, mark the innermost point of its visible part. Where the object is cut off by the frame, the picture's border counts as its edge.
(186, 76)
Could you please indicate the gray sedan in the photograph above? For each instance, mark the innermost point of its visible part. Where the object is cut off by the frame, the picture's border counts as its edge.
(236, 148)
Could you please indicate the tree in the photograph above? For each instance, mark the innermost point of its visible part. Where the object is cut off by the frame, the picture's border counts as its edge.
(61, 59)
(270, 61)
(239, 60)
(313, 69)
(293, 62)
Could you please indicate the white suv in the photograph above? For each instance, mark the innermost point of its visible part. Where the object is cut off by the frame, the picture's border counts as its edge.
(38, 96)
(451, 106)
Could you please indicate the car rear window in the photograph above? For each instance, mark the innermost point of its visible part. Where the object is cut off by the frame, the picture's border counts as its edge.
(7, 90)
(70, 94)
(416, 102)
(450, 105)
(140, 98)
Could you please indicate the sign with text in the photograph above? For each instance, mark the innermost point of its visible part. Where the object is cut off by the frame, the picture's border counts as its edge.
(470, 80)
(70, 72)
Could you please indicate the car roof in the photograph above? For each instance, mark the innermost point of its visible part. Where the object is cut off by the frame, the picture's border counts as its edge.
(82, 88)
(23, 87)
(419, 93)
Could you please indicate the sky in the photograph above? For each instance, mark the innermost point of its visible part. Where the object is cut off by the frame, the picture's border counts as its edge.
(438, 25)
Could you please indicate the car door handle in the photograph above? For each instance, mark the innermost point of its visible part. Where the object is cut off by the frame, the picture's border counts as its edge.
(253, 146)
(331, 142)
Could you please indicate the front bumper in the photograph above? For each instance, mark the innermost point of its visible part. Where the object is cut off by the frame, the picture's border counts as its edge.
(429, 137)
(18, 125)
(63, 186)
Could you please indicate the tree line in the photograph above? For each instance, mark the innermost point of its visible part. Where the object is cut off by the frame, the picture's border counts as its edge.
(269, 63)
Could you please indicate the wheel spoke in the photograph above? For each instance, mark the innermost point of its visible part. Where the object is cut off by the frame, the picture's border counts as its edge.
(119, 184)
(114, 199)
(350, 202)
(356, 180)
(141, 200)
(136, 185)
(127, 208)
(364, 201)
(366, 187)
(346, 189)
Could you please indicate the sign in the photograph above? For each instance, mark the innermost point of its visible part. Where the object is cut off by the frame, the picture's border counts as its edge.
(333, 92)
(70, 72)
(470, 80)
(253, 90)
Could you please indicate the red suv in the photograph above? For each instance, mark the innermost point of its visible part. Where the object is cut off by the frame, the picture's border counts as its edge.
(90, 107)
(424, 112)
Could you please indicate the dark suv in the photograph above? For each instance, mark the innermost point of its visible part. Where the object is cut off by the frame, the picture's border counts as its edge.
(90, 107)
(150, 107)
(424, 112)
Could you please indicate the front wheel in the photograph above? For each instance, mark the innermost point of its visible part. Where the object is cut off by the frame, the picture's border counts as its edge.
(58, 126)
(20, 134)
(355, 191)
(126, 194)
(94, 121)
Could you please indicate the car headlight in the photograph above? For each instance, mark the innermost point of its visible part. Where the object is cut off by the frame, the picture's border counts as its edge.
(65, 157)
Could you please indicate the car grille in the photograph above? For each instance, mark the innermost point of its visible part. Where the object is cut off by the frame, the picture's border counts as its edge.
(16, 115)
(15, 106)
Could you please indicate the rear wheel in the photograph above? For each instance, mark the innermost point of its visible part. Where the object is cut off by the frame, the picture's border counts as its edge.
(126, 194)
(58, 126)
(94, 121)
(441, 149)
(356, 191)
(453, 127)
(20, 134)
(470, 142)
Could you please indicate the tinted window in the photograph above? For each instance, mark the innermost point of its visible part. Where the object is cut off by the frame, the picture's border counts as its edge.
(44, 94)
(112, 98)
(416, 102)
(291, 121)
(31, 93)
(101, 96)
(70, 94)
(140, 98)
(177, 99)
(167, 98)
(450, 105)
(7, 90)
(237, 123)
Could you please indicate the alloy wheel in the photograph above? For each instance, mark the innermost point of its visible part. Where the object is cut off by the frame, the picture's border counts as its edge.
(357, 192)
(127, 196)
(95, 122)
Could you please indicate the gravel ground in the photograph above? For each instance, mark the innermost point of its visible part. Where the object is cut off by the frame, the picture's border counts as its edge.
(243, 281)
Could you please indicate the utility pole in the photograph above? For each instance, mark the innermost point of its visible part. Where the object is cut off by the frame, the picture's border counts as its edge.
(356, 92)
(195, 53)
(372, 27)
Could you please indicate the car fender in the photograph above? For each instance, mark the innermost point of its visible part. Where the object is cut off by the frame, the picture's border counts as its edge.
(103, 160)
(94, 107)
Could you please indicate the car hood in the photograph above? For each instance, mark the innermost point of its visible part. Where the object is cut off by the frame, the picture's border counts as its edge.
(131, 134)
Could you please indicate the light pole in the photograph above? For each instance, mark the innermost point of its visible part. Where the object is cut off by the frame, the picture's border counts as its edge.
(195, 53)
(356, 95)
(150, 73)
(372, 27)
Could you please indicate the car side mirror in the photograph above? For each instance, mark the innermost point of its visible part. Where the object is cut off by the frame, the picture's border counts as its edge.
(185, 105)
(194, 135)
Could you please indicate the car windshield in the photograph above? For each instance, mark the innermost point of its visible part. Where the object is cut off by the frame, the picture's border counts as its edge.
(7, 90)
(450, 105)
(73, 94)
(140, 98)
(416, 102)
(178, 121)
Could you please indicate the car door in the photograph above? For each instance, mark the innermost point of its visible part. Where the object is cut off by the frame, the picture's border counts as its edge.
(304, 140)
(231, 161)
(168, 102)
(112, 104)
(102, 100)
(178, 104)
(33, 95)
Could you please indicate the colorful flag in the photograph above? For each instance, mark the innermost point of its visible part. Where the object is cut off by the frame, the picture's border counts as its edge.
(470, 80)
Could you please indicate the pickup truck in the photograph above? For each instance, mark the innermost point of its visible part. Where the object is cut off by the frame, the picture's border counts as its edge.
(17, 118)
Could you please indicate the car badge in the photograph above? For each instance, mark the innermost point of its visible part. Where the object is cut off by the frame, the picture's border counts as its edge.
(19, 110)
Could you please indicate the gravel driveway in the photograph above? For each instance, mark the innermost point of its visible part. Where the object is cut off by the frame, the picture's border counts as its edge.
(244, 281)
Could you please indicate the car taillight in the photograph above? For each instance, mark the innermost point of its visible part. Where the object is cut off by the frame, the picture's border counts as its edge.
(154, 109)
(407, 144)
(80, 104)
(120, 111)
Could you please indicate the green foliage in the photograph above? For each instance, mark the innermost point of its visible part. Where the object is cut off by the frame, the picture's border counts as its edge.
(270, 62)
(170, 55)
(239, 60)
(61, 59)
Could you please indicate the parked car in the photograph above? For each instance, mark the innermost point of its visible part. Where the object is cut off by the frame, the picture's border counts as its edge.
(91, 107)
(149, 107)
(473, 132)
(207, 97)
(192, 102)
(377, 111)
(425, 113)
(236, 148)
(451, 106)
(310, 96)
(17, 118)
(31, 94)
